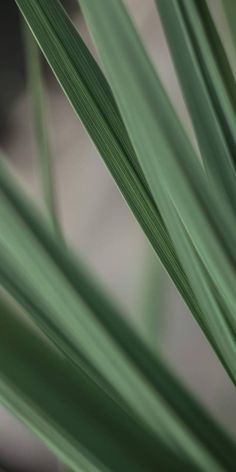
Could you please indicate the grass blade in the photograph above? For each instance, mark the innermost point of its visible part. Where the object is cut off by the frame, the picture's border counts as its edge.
(90, 432)
(95, 327)
(91, 98)
(152, 301)
(36, 87)
(174, 172)
(230, 10)
(109, 372)
(208, 86)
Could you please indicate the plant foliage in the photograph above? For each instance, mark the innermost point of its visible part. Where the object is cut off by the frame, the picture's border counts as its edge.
(71, 367)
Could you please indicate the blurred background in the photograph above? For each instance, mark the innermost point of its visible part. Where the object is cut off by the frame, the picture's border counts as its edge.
(98, 223)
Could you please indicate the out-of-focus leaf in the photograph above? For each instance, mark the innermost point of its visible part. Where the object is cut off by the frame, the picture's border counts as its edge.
(73, 415)
(152, 300)
(36, 87)
(68, 305)
(230, 10)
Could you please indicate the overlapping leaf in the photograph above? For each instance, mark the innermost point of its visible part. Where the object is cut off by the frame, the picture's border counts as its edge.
(73, 415)
(89, 93)
(208, 86)
(111, 381)
(85, 325)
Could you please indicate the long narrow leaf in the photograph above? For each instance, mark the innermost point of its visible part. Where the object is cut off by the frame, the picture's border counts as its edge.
(230, 10)
(89, 94)
(75, 418)
(164, 152)
(208, 86)
(41, 129)
(99, 332)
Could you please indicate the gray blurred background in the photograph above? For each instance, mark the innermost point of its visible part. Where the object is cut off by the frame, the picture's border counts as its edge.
(99, 225)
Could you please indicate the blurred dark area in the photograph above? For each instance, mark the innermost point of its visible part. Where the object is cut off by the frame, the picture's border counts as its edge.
(12, 69)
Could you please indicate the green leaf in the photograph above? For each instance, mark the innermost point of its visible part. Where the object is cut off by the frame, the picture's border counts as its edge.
(208, 86)
(93, 102)
(230, 10)
(77, 316)
(172, 170)
(36, 87)
(91, 98)
(73, 415)
(152, 300)
(70, 307)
